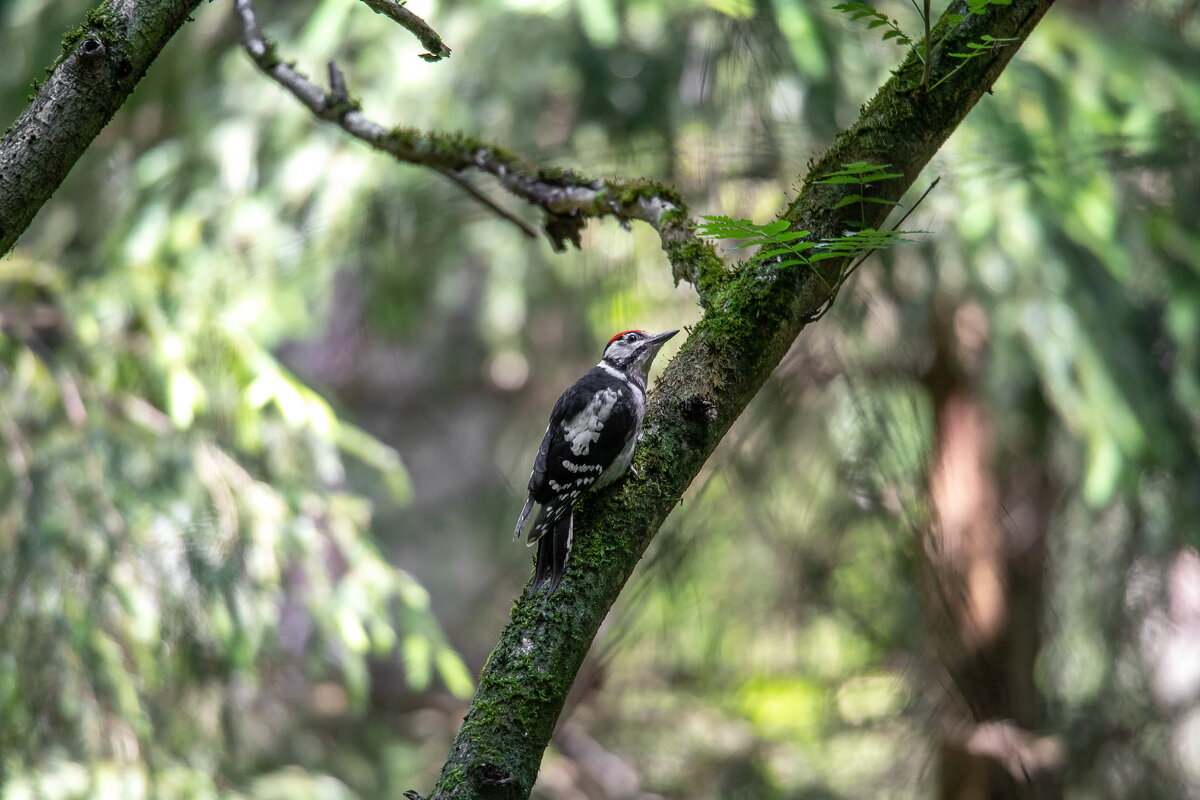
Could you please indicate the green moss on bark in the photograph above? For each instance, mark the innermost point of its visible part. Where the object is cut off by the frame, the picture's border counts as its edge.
(101, 22)
(446, 150)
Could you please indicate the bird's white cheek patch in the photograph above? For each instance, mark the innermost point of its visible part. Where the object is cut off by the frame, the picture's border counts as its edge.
(585, 427)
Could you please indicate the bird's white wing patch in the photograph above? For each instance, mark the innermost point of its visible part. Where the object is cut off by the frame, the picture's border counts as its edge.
(584, 428)
(577, 468)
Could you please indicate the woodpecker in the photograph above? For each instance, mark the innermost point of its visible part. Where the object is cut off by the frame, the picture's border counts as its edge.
(588, 445)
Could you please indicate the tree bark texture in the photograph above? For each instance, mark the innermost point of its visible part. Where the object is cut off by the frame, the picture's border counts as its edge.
(101, 62)
(753, 313)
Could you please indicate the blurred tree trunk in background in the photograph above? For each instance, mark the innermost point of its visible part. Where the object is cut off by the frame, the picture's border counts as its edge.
(984, 562)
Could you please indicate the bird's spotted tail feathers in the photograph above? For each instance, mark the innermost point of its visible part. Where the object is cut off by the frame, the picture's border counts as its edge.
(554, 548)
(552, 532)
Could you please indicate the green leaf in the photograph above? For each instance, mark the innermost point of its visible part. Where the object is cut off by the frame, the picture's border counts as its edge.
(847, 200)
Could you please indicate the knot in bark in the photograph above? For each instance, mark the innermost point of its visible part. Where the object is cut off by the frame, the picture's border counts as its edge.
(91, 48)
(700, 408)
(493, 782)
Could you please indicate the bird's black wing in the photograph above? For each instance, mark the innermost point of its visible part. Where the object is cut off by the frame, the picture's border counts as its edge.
(568, 405)
(557, 462)
(537, 478)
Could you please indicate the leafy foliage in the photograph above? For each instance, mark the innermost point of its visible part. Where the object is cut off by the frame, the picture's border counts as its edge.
(922, 46)
(173, 528)
(183, 556)
(860, 174)
(974, 50)
(877, 19)
(784, 248)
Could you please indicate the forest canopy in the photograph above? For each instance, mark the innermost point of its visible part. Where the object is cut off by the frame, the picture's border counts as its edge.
(268, 400)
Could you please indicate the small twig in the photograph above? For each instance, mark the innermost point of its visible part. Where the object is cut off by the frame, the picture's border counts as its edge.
(474, 191)
(928, 45)
(256, 45)
(339, 95)
(914, 206)
(414, 24)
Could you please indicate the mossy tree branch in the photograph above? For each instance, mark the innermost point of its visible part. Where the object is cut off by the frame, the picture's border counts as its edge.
(101, 62)
(752, 318)
(567, 199)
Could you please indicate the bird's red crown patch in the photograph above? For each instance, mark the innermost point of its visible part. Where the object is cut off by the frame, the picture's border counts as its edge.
(622, 333)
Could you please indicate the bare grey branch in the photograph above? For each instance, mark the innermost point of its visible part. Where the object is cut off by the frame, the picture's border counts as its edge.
(418, 27)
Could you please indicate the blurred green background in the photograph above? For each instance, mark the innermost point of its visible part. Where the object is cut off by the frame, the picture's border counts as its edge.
(268, 401)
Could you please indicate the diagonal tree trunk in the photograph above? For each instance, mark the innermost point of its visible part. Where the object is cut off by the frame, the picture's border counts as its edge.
(752, 316)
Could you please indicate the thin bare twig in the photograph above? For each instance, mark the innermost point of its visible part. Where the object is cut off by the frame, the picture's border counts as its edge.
(339, 95)
(913, 207)
(414, 24)
(850, 270)
(471, 189)
(928, 45)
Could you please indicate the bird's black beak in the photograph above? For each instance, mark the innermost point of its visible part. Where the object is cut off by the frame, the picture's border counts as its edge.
(660, 338)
